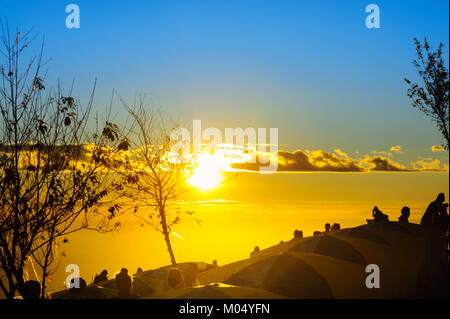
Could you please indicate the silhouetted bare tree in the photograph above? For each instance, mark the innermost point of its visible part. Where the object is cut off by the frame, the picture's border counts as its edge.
(50, 182)
(152, 176)
(432, 98)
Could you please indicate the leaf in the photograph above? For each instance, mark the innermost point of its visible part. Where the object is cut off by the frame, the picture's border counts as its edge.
(42, 128)
(124, 145)
(67, 121)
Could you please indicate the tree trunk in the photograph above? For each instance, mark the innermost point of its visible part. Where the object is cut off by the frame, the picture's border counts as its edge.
(166, 234)
(169, 249)
(44, 276)
(47, 263)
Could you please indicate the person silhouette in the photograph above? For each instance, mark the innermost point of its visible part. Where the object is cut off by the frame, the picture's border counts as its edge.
(317, 233)
(434, 272)
(103, 276)
(405, 212)
(440, 219)
(214, 263)
(378, 215)
(254, 251)
(327, 227)
(139, 272)
(77, 292)
(298, 234)
(124, 284)
(336, 227)
(175, 279)
(433, 208)
(31, 289)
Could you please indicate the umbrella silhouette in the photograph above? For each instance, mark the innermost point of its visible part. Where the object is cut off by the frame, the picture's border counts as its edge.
(91, 292)
(302, 275)
(189, 270)
(400, 236)
(327, 245)
(363, 233)
(220, 274)
(392, 226)
(399, 265)
(145, 285)
(216, 291)
(332, 246)
(280, 248)
(338, 259)
(283, 274)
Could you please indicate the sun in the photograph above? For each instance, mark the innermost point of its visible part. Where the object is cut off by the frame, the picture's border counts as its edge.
(208, 172)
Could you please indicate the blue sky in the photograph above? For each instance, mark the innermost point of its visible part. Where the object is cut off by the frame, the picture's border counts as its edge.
(310, 68)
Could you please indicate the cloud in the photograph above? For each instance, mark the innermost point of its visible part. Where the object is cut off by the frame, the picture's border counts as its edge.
(340, 152)
(429, 165)
(300, 161)
(382, 164)
(74, 151)
(322, 161)
(60, 156)
(437, 148)
(396, 148)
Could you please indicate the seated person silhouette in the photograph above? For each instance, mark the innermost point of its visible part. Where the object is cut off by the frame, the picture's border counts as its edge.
(254, 251)
(298, 233)
(405, 212)
(214, 263)
(327, 227)
(378, 216)
(31, 290)
(102, 277)
(139, 272)
(124, 285)
(317, 233)
(440, 219)
(175, 279)
(78, 288)
(336, 227)
(437, 207)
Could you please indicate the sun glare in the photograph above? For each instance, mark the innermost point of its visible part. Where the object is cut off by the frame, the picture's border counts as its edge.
(208, 172)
